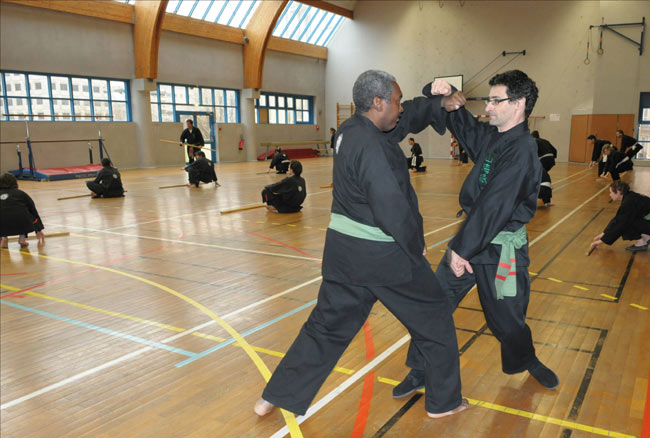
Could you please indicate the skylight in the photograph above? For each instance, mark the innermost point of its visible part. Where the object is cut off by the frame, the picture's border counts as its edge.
(298, 22)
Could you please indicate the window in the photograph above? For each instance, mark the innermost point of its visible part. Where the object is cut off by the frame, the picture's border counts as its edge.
(40, 96)
(307, 24)
(643, 133)
(170, 98)
(275, 108)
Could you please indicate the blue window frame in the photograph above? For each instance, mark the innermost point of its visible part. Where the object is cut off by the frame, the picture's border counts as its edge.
(171, 98)
(643, 131)
(284, 109)
(54, 97)
(307, 24)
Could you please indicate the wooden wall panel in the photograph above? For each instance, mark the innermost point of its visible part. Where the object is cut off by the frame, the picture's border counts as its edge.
(578, 146)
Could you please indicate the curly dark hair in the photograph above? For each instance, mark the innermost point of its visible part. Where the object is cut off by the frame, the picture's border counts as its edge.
(518, 85)
(620, 187)
(8, 181)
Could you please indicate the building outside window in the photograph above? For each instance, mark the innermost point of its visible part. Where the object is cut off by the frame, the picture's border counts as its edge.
(172, 98)
(40, 96)
(284, 109)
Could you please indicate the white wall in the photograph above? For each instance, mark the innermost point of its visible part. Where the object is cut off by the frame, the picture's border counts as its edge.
(39, 40)
(417, 41)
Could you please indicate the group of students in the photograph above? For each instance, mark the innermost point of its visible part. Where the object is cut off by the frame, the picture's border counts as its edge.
(613, 161)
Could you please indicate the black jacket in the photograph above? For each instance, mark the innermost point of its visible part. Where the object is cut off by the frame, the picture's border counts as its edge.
(202, 169)
(292, 192)
(193, 138)
(500, 192)
(598, 148)
(544, 147)
(18, 214)
(111, 180)
(416, 150)
(278, 158)
(372, 187)
(634, 206)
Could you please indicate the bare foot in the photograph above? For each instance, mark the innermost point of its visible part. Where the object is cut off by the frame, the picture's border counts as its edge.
(217, 184)
(23, 242)
(262, 407)
(94, 196)
(5, 243)
(548, 204)
(463, 405)
(271, 208)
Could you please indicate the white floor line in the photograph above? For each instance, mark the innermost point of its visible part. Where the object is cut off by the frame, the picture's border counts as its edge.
(135, 353)
(370, 365)
(184, 242)
(345, 385)
(572, 175)
(571, 213)
(442, 228)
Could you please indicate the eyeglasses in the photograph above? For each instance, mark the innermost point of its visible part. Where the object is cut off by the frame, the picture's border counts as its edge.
(495, 101)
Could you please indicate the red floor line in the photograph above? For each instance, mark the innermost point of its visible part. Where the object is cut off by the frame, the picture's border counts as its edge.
(646, 415)
(368, 384)
(281, 243)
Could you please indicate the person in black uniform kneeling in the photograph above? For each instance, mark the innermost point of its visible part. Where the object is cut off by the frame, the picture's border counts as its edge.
(287, 195)
(632, 220)
(201, 170)
(107, 183)
(18, 214)
(280, 161)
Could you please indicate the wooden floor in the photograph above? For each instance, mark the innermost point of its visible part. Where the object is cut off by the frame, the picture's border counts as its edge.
(104, 333)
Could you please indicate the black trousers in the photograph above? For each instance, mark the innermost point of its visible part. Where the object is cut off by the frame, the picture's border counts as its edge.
(601, 167)
(505, 318)
(547, 163)
(278, 202)
(418, 162)
(545, 194)
(101, 190)
(420, 305)
(638, 227)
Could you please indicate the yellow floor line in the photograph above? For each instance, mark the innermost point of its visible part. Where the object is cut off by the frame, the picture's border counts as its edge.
(608, 297)
(533, 273)
(639, 306)
(555, 280)
(290, 419)
(580, 287)
(530, 415)
(305, 226)
(291, 225)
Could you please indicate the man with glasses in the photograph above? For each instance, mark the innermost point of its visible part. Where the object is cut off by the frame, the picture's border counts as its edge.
(499, 197)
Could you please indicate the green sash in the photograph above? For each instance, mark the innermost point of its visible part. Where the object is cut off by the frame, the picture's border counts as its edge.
(647, 217)
(345, 225)
(506, 278)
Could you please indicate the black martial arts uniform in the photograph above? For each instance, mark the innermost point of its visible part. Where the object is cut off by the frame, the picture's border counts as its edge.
(287, 195)
(545, 189)
(107, 183)
(462, 154)
(546, 153)
(18, 214)
(281, 162)
(499, 194)
(333, 140)
(193, 137)
(596, 155)
(416, 159)
(632, 219)
(373, 251)
(627, 142)
(619, 162)
(201, 170)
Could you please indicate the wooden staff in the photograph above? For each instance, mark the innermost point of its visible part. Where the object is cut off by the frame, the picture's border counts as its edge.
(59, 234)
(592, 249)
(190, 145)
(327, 187)
(243, 208)
(171, 187)
(78, 196)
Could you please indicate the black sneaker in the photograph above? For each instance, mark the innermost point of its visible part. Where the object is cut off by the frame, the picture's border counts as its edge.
(413, 381)
(546, 377)
(635, 248)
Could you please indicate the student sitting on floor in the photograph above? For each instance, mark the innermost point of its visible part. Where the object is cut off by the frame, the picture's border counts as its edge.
(18, 215)
(107, 183)
(287, 195)
(414, 162)
(201, 170)
(632, 220)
